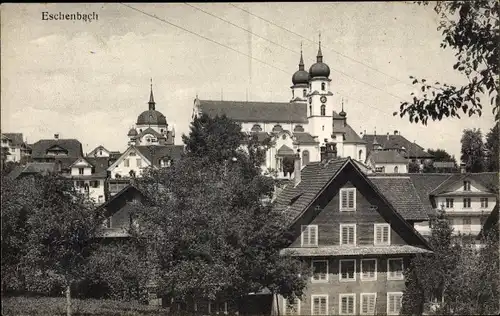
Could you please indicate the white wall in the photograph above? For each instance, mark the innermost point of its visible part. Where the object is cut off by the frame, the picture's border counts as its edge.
(132, 165)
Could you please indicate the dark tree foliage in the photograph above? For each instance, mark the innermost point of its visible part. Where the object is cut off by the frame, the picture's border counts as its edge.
(209, 230)
(471, 29)
(492, 153)
(473, 150)
(441, 155)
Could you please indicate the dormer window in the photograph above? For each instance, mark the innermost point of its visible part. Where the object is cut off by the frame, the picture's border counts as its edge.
(80, 171)
(466, 185)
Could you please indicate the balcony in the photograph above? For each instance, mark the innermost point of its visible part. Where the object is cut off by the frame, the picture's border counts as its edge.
(116, 185)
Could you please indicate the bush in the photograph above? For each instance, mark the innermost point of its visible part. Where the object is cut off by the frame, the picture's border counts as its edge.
(38, 306)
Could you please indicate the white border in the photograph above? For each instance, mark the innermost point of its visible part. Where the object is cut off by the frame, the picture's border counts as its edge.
(355, 233)
(361, 270)
(361, 295)
(348, 209)
(312, 303)
(388, 243)
(393, 293)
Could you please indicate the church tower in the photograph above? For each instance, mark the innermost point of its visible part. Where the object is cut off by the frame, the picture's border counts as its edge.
(320, 101)
(300, 80)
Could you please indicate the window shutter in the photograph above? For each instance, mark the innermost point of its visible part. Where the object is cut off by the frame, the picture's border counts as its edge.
(351, 199)
(344, 199)
(351, 235)
(313, 233)
(378, 235)
(385, 236)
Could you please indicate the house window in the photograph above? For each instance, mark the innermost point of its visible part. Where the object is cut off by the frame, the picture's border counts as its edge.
(100, 152)
(348, 234)
(395, 269)
(466, 202)
(291, 309)
(125, 163)
(323, 110)
(310, 110)
(360, 155)
(305, 157)
(382, 234)
(466, 185)
(319, 304)
(95, 184)
(367, 304)
(323, 86)
(394, 303)
(368, 269)
(396, 169)
(347, 200)
(309, 237)
(380, 169)
(304, 93)
(80, 170)
(320, 271)
(347, 270)
(449, 203)
(139, 162)
(484, 202)
(347, 304)
(100, 199)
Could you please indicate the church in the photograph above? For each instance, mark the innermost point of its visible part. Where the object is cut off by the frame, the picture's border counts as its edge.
(305, 126)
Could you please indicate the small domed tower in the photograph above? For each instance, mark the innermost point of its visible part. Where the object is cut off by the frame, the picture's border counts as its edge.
(300, 80)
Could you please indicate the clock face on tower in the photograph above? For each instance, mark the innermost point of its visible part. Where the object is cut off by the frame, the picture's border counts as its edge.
(323, 99)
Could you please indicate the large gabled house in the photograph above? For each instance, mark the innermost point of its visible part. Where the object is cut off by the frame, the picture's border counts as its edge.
(356, 233)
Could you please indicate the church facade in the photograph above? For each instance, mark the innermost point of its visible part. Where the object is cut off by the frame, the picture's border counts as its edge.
(305, 125)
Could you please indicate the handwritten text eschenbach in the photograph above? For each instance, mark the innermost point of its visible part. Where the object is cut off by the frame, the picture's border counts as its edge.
(86, 17)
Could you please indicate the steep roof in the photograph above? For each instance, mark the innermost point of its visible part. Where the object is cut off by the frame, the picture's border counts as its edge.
(73, 146)
(386, 156)
(487, 179)
(16, 138)
(424, 184)
(340, 126)
(402, 194)
(304, 138)
(272, 112)
(100, 165)
(155, 153)
(42, 168)
(397, 142)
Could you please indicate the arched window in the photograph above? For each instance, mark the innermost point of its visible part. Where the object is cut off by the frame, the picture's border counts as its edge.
(396, 169)
(304, 92)
(323, 86)
(323, 110)
(310, 110)
(305, 157)
(360, 154)
(293, 94)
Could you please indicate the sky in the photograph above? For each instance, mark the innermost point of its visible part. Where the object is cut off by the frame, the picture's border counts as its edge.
(90, 80)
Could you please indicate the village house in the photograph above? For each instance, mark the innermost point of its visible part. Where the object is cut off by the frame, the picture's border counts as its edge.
(15, 147)
(357, 235)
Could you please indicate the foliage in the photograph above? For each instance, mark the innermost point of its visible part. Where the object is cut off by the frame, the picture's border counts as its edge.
(473, 151)
(208, 231)
(413, 167)
(492, 152)
(8, 167)
(441, 155)
(18, 197)
(122, 268)
(471, 29)
(42, 306)
(63, 223)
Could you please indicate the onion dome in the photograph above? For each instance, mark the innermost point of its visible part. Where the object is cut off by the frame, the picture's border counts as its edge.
(342, 113)
(319, 69)
(132, 132)
(151, 116)
(300, 76)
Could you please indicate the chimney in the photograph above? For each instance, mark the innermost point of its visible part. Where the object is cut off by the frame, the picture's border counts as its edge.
(331, 151)
(387, 136)
(396, 132)
(296, 170)
(56, 136)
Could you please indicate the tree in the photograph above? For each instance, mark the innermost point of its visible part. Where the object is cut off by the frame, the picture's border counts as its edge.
(413, 167)
(492, 152)
(473, 151)
(208, 229)
(63, 223)
(470, 28)
(431, 275)
(441, 155)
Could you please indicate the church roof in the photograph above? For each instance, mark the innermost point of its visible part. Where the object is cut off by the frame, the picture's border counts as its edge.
(304, 138)
(271, 112)
(151, 131)
(340, 126)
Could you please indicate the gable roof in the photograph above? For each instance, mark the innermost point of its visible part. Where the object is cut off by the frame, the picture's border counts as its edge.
(42, 168)
(387, 156)
(73, 146)
(489, 180)
(397, 142)
(340, 126)
(304, 138)
(337, 176)
(124, 155)
(16, 138)
(155, 153)
(94, 151)
(424, 184)
(81, 159)
(271, 112)
(151, 131)
(119, 200)
(402, 194)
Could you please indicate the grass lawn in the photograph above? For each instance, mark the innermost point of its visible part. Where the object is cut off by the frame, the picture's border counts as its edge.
(21, 305)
